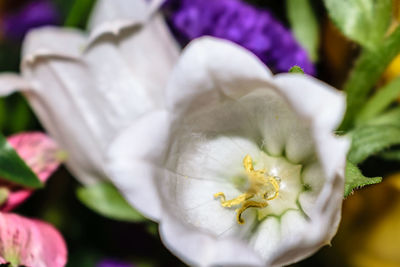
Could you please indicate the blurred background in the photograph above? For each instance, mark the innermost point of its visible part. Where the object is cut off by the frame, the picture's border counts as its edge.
(370, 231)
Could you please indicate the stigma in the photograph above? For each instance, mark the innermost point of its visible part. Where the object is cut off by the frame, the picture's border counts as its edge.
(262, 189)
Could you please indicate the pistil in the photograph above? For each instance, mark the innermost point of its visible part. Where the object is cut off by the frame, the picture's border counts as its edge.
(261, 185)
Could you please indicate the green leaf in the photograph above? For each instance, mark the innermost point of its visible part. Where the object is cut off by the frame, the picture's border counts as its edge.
(366, 73)
(296, 69)
(391, 117)
(79, 13)
(393, 155)
(369, 140)
(355, 179)
(106, 200)
(3, 114)
(14, 169)
(21, 115)
(152, 228)
(304, 25)
(363, 21)
(380, 101)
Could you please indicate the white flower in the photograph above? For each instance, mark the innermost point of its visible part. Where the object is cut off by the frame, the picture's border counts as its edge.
(86, 88)
(243, 168)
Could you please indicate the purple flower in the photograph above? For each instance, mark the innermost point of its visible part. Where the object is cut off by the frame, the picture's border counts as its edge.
(113, 263)
(34, 14)
(255, 29)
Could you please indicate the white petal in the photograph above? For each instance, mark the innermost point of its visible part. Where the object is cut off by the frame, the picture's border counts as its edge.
(202, 169)
(10, 83)
(324, 107)
(323, 220)
(121, 90)
(272, 117)
(206, 158)
(144, 49)
(196, 206)
(273, 232)
(313, 99)
(283, 132)
(150, 52)
(292, 229)
(201, 249)
(267, 237)
(62, 100)
(318, 232)
(135, 181)
(217, 67)
(132, 161)
(52, 41)
(293, 224)
(155, 5)
(68, 101)
(122, 17)
(212, 70)
(100, 90)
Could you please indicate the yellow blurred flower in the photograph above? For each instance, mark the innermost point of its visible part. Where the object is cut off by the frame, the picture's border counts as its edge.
(370, 233)
(393, 69)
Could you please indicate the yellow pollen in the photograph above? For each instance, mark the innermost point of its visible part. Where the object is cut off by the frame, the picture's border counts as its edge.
(257, 195)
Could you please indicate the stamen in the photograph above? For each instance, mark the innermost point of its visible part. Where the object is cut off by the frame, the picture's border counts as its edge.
(233, 202)
(275, 184)
(259, 188)
(246, 205)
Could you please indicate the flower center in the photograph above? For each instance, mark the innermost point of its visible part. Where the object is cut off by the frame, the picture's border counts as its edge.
(262, 188)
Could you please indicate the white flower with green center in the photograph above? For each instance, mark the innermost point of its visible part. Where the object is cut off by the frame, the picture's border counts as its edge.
(243, 168)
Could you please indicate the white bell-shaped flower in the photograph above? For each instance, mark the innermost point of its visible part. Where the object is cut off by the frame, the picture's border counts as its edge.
(243, 168)
(85, 88)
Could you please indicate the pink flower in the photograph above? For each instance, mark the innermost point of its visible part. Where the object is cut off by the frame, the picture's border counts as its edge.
(30, 242)
(41, 154)
(24, 241)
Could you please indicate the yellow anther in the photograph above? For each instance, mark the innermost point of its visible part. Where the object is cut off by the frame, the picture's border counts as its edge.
(249, 204)
(233, 202)
(248, 163)
(221, 195)
(259, 188)
(275, 184)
